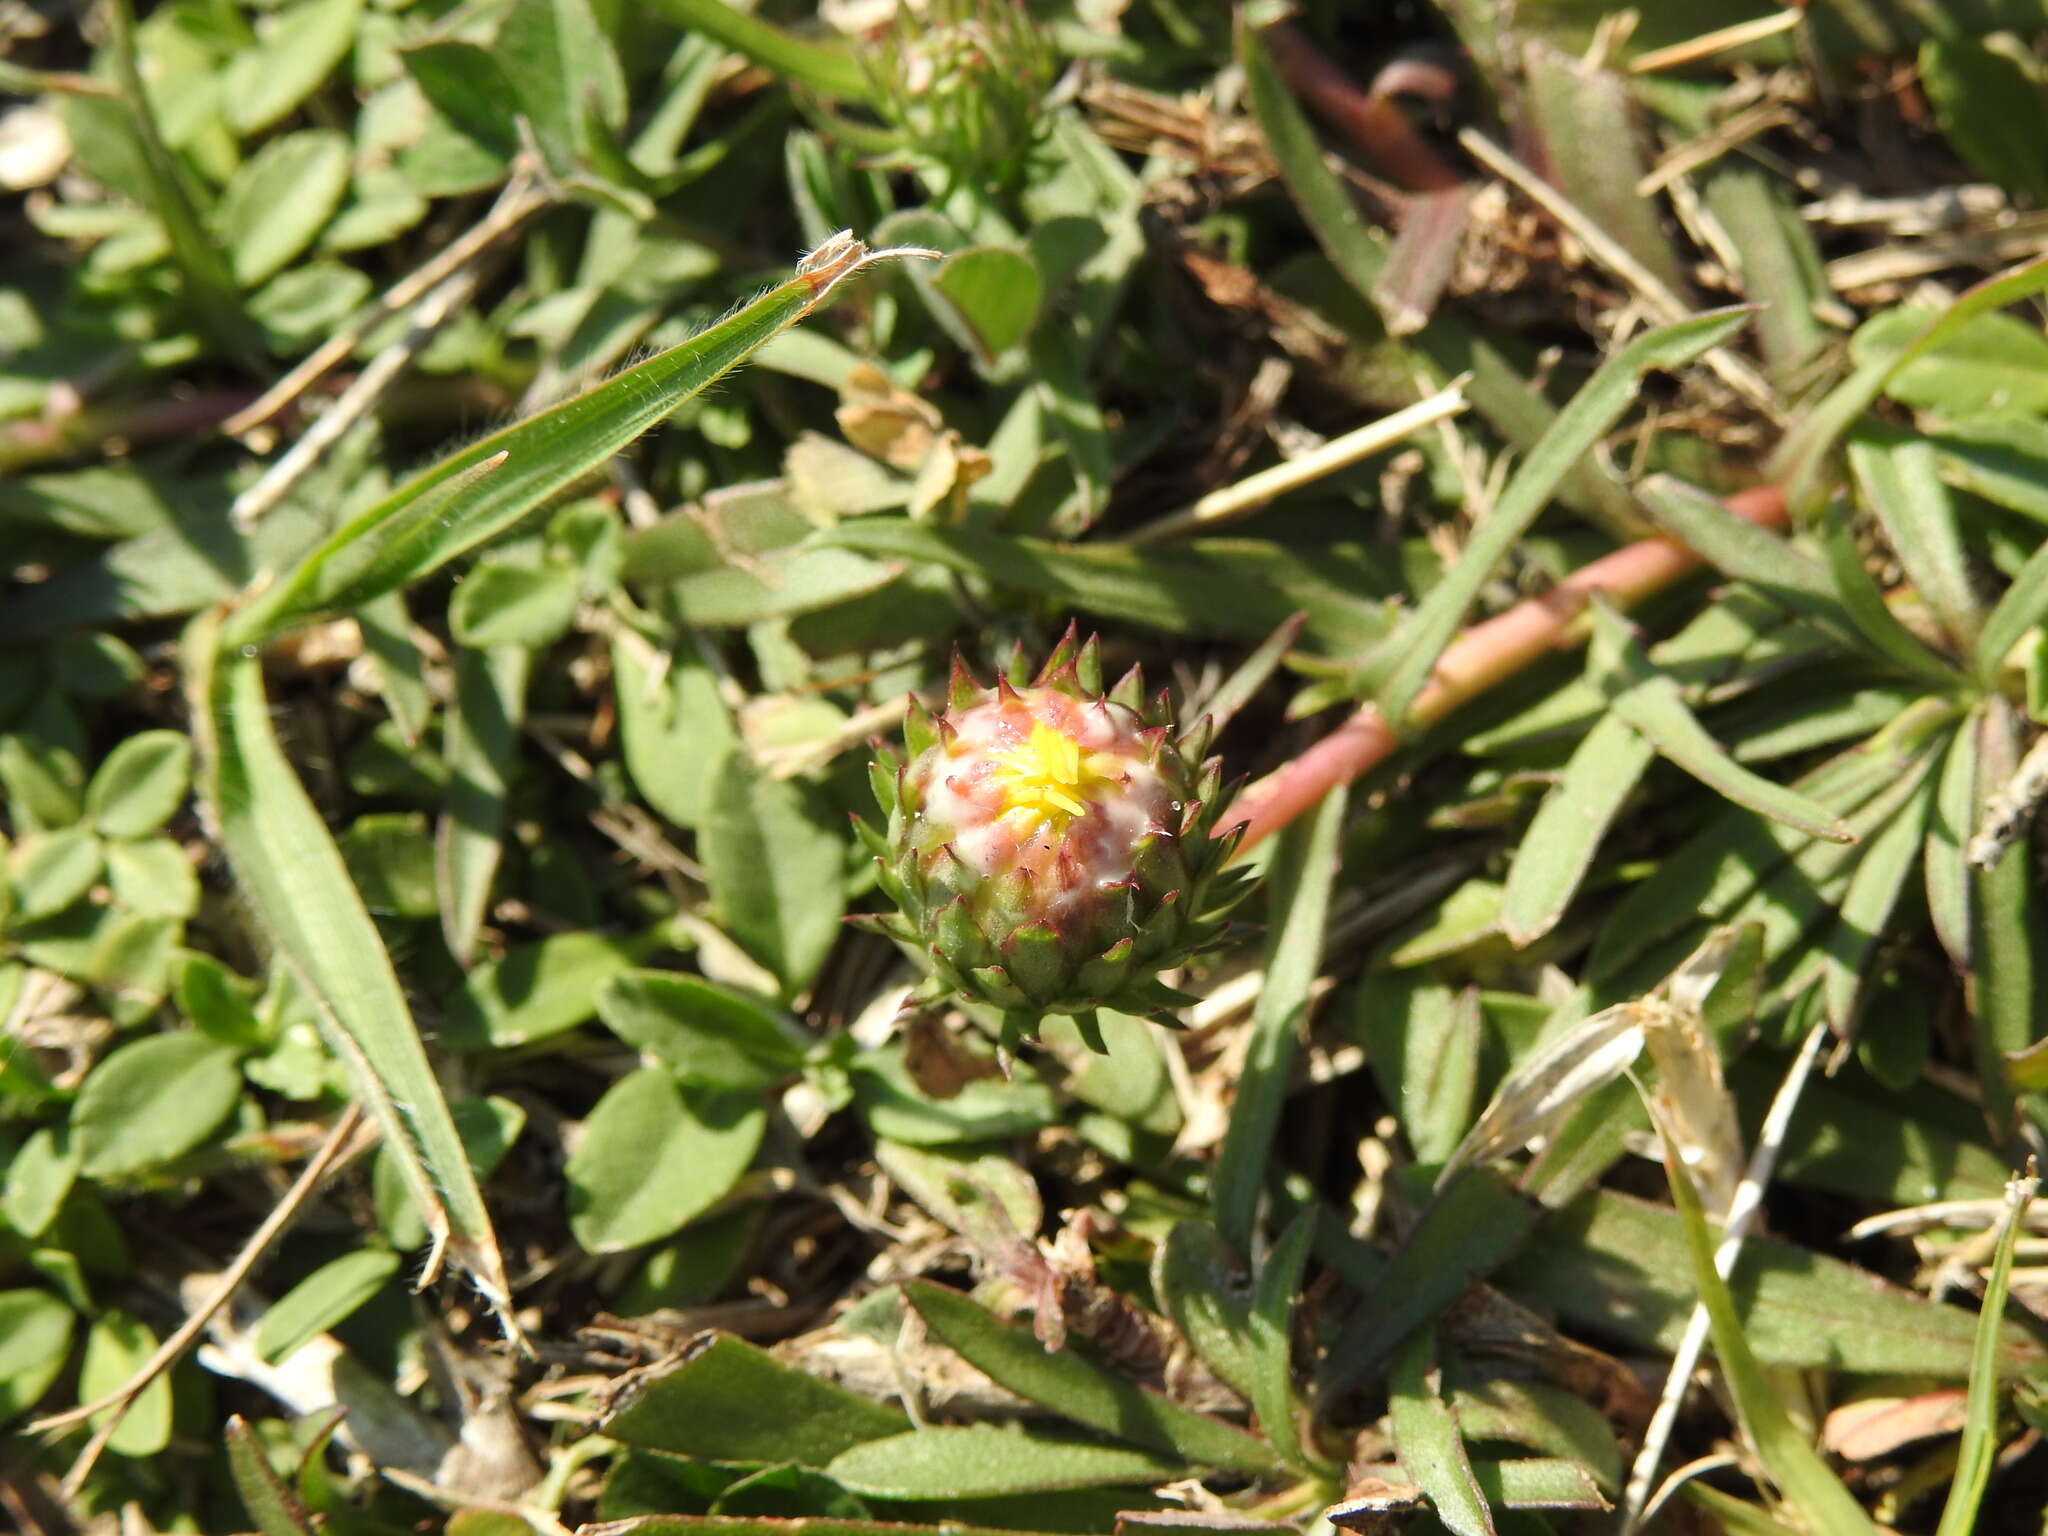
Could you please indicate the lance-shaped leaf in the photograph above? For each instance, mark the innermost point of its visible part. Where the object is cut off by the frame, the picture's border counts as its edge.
(1580, 425)
(462, 501)
(299, 888)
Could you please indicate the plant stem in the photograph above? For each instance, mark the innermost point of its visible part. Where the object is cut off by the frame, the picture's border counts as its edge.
(1482, 656)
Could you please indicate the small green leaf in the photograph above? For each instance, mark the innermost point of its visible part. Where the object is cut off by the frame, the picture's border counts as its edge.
(653, 1155)
(558, 58)
(331, 1293)
(38, 1178)
(114, 1350)
(776, 871)
(708, 1034)
(724, 1400)
(153, 878)
(980, 1460)
(996, 291)
(153, 1100)
(468, 87)
(537, 990)
(280, 197)
(35, 1338)
(51, 870)
(299, 49)
(1986, 101)
(141, 783)
(499, 604)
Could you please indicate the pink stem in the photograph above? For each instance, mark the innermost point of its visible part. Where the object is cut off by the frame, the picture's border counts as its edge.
(1480, 657)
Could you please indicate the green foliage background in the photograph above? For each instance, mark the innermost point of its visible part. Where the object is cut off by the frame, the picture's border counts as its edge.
(459, 546)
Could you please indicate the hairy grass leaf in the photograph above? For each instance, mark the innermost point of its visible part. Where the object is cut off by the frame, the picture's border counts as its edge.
(477, 493)
(300, 890)
(1558, 847)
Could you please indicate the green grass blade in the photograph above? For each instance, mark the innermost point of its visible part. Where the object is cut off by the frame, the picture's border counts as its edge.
(1877, 626)
(1901, 483)
(1980, 1427)
(1800, 464)
(1303, 872)
(1581, 424)
(2024, 605)
(1558, 847)
(1428, 1441)
(829, 71)
(478, 493)
(298, 886)
(1795, 1466)
(480, 736)
(1651, 702)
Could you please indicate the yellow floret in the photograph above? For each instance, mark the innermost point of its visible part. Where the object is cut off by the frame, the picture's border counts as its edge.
(1050, 779)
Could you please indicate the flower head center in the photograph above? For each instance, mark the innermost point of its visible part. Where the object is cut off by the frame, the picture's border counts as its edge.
(1050, 779)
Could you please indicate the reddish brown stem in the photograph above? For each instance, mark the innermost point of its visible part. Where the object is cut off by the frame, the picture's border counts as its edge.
(1480, 657)
(1372, 119)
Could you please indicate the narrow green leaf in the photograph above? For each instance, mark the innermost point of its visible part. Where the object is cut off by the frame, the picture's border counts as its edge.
(2020, 610)
(413, 532)
(299, 888)
(2001, 983)
(829, 70)
(1472, 1226)
(1651, 702)
(1945, 859)
(1298, 890)
(1800, 463)
(1427, 1441)
(1580, 425)
(1619, 1267)
(325, 1297)
(981, 1461)
(1986, 100)
(1901, 483)
(1060, 1380)
(1801, 1475)
(1980, 1427)
(479, 742)
(271, 1504)
(1558, 847)
(208, 281)
(1881, 873)
(1272, 1341)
